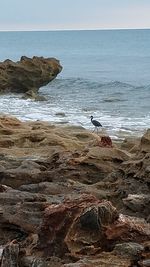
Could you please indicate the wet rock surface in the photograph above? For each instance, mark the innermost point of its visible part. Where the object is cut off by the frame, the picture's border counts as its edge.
(69, 197)
(28, 75)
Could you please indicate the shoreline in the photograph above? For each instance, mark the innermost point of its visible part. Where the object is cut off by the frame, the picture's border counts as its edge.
(120, 136)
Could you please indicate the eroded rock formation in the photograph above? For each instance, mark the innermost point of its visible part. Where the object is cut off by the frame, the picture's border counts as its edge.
(72, 198)
(28, 74)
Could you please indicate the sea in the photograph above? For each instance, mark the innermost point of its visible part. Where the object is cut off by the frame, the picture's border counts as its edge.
(106, 74)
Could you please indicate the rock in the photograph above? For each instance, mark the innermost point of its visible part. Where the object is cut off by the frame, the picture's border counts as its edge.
(10, 255)
(138, 203)
(18, 212)
(33, 95)
(75, 223)
(28, 74)
(83, 227)
(145, 142)
(145, 263)
(1, 252)
(136, 168)
(30, 261)
(27, 172)
(78, 227)
(144, 260)
(60, 114)
(127, 227)
(102, 260)
(129, 249)
(69, 197)
(67, 147)
(105, 141)
(131, 144)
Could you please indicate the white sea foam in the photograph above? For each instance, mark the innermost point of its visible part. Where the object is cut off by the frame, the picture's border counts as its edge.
(117, 126)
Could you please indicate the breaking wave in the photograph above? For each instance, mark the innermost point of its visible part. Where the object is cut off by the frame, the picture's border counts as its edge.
(122, 108)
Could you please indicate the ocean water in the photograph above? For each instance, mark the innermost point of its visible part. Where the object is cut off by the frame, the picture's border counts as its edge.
(105, 74)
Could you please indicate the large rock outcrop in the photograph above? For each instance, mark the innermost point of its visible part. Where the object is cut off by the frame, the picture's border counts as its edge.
(28, 74)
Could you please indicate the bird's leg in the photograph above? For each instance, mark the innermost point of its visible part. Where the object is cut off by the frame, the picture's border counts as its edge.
(94, 130)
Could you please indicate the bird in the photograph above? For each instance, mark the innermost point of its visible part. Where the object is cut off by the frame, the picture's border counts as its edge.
(96, 124)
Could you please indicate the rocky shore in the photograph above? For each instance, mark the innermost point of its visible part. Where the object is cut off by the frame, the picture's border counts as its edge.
(72, 198)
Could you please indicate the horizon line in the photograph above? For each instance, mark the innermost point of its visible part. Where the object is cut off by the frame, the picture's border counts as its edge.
(54, 30)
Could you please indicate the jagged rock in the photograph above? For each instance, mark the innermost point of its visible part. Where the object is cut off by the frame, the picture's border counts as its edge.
(33, 95)
(144, 263)
(145, 142)
(77, 224)
(105, 142)
(28, 74)
(63, 180)
(69, 148)
(22, 211)
(102, 260)
(138, 203)
(81, 224)
(31, 261)
(28, 172)
(1, 252)
(127, 227)
(145, 257)
(78, 227)
(10, 255)
(129, 249)
(131, 144)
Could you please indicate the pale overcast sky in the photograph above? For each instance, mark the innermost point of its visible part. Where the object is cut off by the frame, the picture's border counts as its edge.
(73, 14)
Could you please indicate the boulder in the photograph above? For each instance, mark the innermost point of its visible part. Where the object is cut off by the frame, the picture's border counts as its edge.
(145, 142)
(22, 211)
(85, 226)
(130, 248)
(10, 255)
(28, 74)
(138, 203)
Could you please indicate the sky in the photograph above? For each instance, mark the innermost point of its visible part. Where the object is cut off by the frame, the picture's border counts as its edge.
(73, 14)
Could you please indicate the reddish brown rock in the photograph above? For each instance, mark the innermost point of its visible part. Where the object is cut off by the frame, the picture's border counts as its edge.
(105, 141)
(86, 226)
(128, 229)
(75, 226)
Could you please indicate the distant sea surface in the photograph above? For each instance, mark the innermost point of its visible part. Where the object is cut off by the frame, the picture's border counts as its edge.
(106, 73)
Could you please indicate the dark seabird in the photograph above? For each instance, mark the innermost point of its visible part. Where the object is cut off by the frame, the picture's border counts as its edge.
(96, 124)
